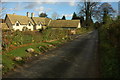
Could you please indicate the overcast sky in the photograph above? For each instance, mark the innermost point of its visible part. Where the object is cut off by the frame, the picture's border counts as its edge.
(61, 8)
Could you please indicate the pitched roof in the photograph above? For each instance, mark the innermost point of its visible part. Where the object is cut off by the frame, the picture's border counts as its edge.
(64, 23)
(4, 26)
(42, 20)
(22, 19)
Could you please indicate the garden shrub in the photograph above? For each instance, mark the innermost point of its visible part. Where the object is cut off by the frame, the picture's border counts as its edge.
(18, 38)
(110, 48)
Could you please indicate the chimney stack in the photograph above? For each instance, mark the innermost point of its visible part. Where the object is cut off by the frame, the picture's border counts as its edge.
(28, 14)
(32, 14)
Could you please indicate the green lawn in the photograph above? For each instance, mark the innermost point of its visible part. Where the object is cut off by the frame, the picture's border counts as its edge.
(8, 61)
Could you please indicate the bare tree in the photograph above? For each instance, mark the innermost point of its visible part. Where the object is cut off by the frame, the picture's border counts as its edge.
(55, 16)
(104, 10)
(87, 9)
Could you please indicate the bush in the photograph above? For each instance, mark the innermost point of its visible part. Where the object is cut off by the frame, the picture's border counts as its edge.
(110, 48)
(18, 38)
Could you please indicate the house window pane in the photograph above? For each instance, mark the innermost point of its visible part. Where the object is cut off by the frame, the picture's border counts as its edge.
(17, 24)
(29, 24)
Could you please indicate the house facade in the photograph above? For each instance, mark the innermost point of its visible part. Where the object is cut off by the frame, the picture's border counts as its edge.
(18, 22)
(40, 22)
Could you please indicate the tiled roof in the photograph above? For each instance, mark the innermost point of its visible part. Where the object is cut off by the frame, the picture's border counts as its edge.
(41, 20)
(22, 19)
(64, 23)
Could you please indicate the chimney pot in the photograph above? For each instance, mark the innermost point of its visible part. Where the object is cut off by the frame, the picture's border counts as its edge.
(28, 14)
(32, 14)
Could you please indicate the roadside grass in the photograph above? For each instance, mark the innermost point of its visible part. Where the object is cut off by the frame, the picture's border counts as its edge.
(7, 62)
(83, 30)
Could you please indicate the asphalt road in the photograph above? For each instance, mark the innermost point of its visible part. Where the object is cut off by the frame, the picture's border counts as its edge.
(75, 59)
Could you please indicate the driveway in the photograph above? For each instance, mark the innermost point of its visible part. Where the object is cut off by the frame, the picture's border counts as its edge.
(75, 59)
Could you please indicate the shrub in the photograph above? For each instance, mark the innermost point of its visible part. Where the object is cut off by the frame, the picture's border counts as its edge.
(109, 49)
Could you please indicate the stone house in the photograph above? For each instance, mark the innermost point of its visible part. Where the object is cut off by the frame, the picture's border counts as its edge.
(29, 22)
(18, 22)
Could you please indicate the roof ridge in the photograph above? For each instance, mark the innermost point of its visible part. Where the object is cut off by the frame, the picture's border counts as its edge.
(16, 15)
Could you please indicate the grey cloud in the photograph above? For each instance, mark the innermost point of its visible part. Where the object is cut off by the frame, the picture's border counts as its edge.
(31, 5)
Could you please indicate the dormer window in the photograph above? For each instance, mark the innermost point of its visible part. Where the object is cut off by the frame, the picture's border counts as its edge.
(17, 24)
(29, 24)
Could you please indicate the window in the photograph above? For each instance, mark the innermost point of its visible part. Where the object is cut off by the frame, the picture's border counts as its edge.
(29, 24)
(24, 28)
(17, 24)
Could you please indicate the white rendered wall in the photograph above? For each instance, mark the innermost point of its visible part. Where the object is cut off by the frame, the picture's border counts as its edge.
(38, 26)
(20, 27)
(79, 25)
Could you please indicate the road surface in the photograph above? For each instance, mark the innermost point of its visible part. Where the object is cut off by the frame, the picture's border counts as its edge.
(75, 59)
